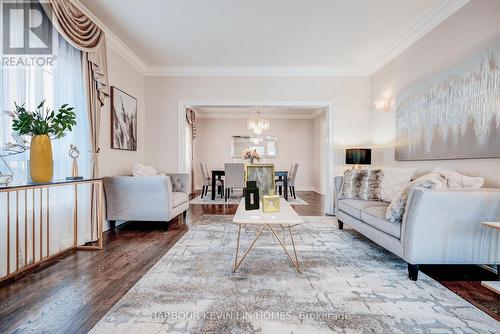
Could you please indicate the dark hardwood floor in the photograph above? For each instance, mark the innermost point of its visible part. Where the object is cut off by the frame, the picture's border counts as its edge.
(465, 281)
(73, 292)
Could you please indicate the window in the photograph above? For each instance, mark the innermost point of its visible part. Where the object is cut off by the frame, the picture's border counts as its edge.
(58, 84)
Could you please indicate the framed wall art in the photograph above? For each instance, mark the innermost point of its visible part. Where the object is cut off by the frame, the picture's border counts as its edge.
(123, 120)
(453, 115)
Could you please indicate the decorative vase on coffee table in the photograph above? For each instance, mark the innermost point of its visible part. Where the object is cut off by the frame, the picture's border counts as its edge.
(41, 168)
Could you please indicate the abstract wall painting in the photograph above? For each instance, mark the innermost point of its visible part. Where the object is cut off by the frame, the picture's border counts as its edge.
(454, 115)
(123, 120)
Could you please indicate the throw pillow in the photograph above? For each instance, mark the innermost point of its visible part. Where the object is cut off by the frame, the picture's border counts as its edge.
(143, 170)
(394, 181)
(361, 184)
(457, 180)
(370, 185)
(351, 184)
(396, 209)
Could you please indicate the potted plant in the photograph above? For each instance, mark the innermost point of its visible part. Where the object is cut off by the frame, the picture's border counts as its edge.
(42, 125)
(251, 155)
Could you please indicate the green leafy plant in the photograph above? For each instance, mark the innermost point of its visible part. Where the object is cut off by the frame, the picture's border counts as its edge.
(43, 121)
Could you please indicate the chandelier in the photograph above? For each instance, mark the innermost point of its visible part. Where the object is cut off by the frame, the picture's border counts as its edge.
(257, 124)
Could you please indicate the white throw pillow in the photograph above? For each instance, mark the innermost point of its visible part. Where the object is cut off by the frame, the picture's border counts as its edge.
(394, 181)
(143, 170)
(396, 209)
(457, 180)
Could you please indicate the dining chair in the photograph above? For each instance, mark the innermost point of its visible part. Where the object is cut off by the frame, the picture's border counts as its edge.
(234, 177)
(207, 181)
(291, 180)
(280, 183)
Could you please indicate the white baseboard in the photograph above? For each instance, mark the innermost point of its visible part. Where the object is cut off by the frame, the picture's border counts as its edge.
(305, 188)
(318, 191)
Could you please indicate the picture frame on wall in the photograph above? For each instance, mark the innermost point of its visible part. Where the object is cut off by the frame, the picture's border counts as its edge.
(453, 114)
(123, 120)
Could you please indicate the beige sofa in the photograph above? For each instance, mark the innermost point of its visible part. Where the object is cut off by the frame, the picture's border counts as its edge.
(438, 227)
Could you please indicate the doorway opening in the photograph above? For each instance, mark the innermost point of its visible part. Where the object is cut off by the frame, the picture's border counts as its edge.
(299, 133)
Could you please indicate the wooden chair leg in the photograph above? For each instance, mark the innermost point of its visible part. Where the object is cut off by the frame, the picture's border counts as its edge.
(341, 225)
(294, 194)
(112, 225)
(202, 191)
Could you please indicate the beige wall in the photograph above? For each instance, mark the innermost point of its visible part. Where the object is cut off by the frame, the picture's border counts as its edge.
(125, 77)
(473, 28)
(350, 98)
(295, 144)
(356, 122)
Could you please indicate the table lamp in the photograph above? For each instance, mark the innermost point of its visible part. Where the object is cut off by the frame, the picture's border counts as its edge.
(358, 156)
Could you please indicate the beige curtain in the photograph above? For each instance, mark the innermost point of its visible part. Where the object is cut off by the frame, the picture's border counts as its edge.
(81, 32)
(86, 36)
(191, 120)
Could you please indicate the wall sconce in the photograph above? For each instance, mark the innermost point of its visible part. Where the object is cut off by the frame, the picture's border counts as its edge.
(382, 104)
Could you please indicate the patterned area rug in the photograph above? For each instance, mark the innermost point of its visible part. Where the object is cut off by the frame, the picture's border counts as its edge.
(349, 285)
(236, 200)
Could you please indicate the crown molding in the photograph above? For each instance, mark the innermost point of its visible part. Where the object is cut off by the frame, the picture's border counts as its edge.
(114, 42)
(317, 112)
(437, 15)
(254, 71)
(263, 115)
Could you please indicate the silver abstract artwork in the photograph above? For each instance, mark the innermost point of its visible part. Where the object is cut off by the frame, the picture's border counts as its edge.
(454, 115)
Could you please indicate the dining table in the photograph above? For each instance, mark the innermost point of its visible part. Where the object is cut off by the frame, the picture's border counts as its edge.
(217, 174)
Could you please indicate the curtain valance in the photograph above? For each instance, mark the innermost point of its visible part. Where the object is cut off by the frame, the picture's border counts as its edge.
(81, 32)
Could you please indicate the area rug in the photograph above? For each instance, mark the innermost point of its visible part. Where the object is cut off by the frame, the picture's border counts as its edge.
(235, 200)
(349, 285)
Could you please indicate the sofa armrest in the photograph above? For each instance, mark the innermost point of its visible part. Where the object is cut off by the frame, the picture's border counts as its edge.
(180, 182)
(338, 186)
(444, 226)
(144, 198)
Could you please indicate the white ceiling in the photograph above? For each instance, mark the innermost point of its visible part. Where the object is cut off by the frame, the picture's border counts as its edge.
(250, 111)
(337, 36)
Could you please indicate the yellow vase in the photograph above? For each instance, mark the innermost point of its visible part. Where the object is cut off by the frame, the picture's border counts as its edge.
(41, 159)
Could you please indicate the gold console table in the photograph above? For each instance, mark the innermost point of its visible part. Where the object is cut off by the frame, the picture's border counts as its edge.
(39, 193)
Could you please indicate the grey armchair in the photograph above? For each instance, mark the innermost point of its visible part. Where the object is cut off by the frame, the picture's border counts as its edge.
(146, 198)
